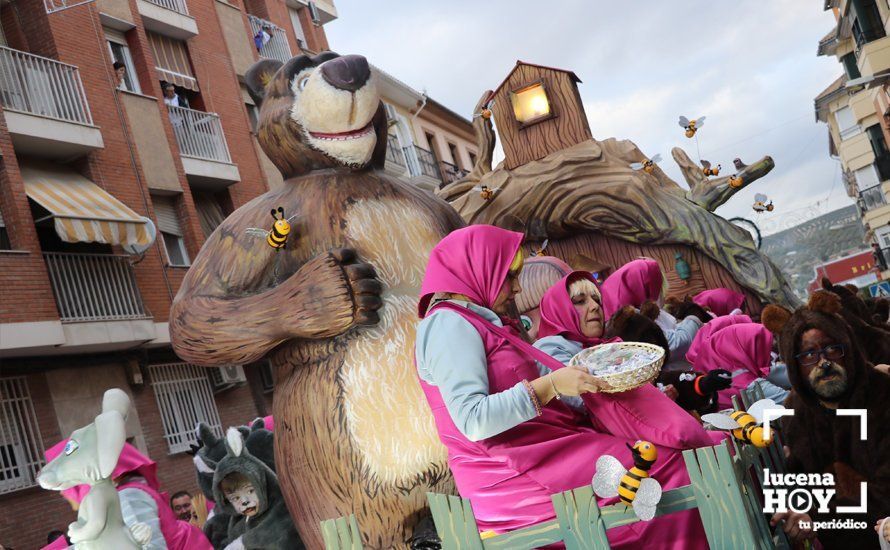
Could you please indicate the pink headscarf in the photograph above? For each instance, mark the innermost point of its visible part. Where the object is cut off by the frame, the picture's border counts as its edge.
(742, 346)
(721, 301)
(631, 285)
(131, 461)
(700, 347)
(558, 313)
(473, 261)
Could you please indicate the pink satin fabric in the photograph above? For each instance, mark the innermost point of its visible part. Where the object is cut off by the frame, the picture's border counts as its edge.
(179, 535)
(631, 285)
(740, 346)
(699, 349)
(559, 316)
(510, 477)
(721, 301)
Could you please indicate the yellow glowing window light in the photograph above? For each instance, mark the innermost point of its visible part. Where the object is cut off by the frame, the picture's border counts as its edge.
(530, 103)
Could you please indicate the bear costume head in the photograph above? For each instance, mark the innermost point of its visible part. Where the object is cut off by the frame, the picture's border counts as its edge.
(319, 112)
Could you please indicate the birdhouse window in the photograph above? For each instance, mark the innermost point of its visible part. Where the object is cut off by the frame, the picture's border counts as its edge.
(531, 104)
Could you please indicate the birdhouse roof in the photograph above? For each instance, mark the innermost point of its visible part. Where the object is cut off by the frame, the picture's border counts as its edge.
(574, 77)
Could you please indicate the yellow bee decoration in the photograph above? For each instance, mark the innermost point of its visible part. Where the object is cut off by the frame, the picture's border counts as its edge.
(736, 181)
(540, 251)
(708, 170)
(648, 165)
(484, 113)
(745, 425)
(634, 487)
(760, 204)
(691, 126)
(486, 192)
(281, 229)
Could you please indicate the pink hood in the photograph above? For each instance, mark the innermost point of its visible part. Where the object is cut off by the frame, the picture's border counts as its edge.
(558, 313)
(721, 301)
(631, 285)
(472, 261)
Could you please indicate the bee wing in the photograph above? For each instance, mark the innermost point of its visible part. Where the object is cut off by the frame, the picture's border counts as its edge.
(760, 197)
(608, 474)
(477, 188)
(684, 122)
(294, 217)
(656, 158)
(756, 409)
(699, 122)
(546, 242)
(636, 165)
(705, 164)
(256, 231)
(720, 421)
(495, 191)
(647, 498)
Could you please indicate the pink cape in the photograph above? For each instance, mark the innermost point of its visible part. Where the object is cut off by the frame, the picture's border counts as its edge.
(632, 284)
(721, 301)
(509, 478)
(179, 535)
(739, 346)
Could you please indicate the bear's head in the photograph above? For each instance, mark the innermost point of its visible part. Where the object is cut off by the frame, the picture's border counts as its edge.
(319, 112)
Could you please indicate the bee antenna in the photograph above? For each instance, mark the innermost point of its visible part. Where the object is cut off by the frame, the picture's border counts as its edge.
(274, 214)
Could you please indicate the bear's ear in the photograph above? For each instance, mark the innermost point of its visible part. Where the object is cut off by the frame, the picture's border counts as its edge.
(826, 283)
(650, 310)
(258, 76)
(825, 302)
(774, 317)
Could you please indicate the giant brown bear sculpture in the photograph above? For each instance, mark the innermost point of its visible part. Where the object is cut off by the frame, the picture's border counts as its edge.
(353, 431)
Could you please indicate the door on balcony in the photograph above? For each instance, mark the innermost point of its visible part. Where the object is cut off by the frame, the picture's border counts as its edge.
(40, 94)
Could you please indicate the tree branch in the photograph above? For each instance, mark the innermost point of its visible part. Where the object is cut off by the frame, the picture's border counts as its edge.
(710, 193)
(485, 140)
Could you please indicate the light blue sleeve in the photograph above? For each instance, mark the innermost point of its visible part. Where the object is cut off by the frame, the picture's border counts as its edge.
(138, 507)
(770, 390)
(681, 337)
(562, 350)
(451, 356)
(778, 375)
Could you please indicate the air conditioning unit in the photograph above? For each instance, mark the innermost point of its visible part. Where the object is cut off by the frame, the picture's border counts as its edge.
(223, 378)
(313, 13)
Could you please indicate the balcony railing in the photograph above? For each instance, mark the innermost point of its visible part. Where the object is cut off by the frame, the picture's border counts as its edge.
(451, 173)
(427, 163)
(174, 5)
(41, 86)
(199, 134)
(872, 197)
(394, 151)
(276, 47)
(94, 287)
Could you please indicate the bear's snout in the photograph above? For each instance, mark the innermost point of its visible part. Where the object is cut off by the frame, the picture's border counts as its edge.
(348, 72)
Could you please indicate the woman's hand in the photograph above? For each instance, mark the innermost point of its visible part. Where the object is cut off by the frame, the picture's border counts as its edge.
(571, 381)
(792, 525)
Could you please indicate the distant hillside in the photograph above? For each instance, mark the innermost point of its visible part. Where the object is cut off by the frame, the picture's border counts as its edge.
(796, 251)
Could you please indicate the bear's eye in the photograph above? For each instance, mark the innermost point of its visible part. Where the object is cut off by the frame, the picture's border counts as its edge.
(302, 82)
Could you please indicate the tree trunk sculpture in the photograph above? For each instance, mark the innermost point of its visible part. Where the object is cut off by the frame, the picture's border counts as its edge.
(591, 187)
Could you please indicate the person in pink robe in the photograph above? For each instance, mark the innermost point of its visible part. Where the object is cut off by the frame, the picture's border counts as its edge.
(541, 445)
(632, 284)
(138, 472)
(720, 301)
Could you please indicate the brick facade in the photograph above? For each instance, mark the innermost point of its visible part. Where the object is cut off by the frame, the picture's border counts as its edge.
(76, 36)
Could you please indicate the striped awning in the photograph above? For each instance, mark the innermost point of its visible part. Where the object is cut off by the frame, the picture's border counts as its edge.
(172, 61)
(83, 211)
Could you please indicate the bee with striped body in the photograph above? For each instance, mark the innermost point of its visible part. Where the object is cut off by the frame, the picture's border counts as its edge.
(709, 170)
(745, 426)
(633, 487)
(281, 230)
(647, 165)
(691, 126)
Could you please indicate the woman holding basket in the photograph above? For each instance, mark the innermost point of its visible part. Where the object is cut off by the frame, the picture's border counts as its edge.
(512, 441)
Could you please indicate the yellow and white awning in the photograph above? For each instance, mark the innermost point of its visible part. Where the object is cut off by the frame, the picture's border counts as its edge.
(83, 211)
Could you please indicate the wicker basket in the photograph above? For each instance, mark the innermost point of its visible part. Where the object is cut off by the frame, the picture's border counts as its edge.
(628, 379)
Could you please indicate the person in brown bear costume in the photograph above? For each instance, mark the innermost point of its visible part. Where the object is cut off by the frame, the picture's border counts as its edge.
(828, 371)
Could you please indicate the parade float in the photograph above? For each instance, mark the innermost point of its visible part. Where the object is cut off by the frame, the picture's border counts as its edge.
(327, 288)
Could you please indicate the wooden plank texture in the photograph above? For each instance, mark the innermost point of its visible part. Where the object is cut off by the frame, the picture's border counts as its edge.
(455, 522)
(341, 534)
(579, 519)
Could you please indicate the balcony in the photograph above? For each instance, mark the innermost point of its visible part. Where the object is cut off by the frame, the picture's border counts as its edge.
(451, 173)
(168, 17)
(276, 47)
(872, 198)
(202, 145)
(395, 157)
(46, 107)
(427, 164)
(873, 57)
(94, 287)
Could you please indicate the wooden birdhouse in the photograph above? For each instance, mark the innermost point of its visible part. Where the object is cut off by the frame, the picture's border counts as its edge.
(537, 111)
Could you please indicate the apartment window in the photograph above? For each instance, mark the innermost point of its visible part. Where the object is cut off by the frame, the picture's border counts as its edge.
(253, 114)
(120, 52)
(170, 230)
(876, 137)
(455, 157)
(883, 236)
(850, 68)
(172, 61)
(21, 448)
(184, 397)
(4, 235)
(846, 123)
(298, 28)
(267, 377)
(868, 26)
(867, 177)
(472, 159)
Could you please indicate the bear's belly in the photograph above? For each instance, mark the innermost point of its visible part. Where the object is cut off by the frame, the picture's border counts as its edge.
(387, 416)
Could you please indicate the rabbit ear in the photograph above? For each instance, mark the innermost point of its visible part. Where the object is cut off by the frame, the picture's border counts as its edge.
(111, 435)
(258, 424)
(234, 441)
(116, 400)
(205, 434)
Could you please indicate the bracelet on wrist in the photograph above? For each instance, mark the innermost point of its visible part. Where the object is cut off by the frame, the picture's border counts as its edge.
(555, 391)
(533, 396)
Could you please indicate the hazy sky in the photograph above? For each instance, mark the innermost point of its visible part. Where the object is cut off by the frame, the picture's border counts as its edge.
(749, 66)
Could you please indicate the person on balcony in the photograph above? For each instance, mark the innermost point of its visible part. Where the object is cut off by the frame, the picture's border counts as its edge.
(262, 37)
(512, 438)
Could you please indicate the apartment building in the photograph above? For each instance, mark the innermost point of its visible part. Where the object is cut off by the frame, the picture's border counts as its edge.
(429, 144)
(93, 164)
(856, 108)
